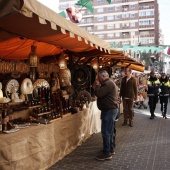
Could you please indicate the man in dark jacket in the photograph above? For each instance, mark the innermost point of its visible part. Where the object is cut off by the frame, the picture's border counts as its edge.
(107, 99)
(152, 92)
(164, 94)
(128, 92)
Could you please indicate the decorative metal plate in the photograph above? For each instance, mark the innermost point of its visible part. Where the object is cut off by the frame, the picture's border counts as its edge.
(10, 84)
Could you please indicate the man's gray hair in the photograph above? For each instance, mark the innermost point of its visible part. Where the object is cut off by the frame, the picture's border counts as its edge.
(103, 73)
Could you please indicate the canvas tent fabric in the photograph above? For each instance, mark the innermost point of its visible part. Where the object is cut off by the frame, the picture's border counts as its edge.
(123, 59)
(24, 23)
(27, 22)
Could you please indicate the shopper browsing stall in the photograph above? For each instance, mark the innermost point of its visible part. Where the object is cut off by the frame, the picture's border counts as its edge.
(107, 99)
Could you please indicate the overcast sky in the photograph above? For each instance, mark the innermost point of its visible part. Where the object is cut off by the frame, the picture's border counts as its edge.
(164, 8)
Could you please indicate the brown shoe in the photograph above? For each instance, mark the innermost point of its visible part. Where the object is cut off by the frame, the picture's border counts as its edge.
(124, 124)
(131, 124)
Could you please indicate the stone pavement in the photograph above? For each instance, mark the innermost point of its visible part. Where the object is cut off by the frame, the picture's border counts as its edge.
(146, 146)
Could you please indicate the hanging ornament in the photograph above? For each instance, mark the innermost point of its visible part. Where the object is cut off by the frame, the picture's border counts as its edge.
(62, 61)
(33, 58)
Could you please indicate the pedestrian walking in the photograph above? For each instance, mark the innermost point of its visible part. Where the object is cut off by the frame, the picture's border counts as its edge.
(164, 94)
(107, 101)
(152, 92)
(128, 92)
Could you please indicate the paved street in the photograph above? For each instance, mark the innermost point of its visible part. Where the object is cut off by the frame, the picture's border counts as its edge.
(146, 146)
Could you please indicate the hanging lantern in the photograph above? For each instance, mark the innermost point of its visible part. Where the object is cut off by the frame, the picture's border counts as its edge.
(95, 64)
(62, 61)
(33, 58)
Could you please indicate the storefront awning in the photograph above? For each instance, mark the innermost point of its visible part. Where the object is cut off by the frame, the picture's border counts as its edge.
(23, 23)
(122, 59)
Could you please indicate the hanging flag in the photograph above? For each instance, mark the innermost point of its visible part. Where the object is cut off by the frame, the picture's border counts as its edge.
(109, 1)
(168, 52)
(85, 3)
(63, 14)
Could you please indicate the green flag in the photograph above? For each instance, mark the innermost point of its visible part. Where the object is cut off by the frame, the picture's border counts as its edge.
(109, 1)
(63, 14)
(85, 3)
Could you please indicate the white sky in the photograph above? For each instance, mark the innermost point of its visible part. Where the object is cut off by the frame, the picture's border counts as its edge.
(164, 8)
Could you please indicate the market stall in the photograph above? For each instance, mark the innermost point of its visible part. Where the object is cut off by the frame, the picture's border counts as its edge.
(39, 147)
(38, 99)
(47, 71)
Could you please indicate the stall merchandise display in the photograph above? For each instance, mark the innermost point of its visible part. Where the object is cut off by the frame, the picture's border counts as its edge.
(47, 97)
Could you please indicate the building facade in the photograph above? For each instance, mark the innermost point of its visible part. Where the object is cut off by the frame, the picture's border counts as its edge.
(123, 22)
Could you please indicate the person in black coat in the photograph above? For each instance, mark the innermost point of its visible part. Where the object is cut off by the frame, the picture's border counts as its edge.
(152, 92)
(164, 94)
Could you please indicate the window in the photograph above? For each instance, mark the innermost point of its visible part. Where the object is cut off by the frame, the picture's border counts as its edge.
(125, 15)
(101, 36)
(110, 26)
(132, 15)
(110, 8)
(125, 24)
(63, 7)
(146, 22)
(132, 6)
(117, 25)
(111, 17)
(132, 24)
(144, 33)
(100, 18)
(100, 27)
(132, 33)
(117, 8)
(117, 34)
(89, 20)
(100, 10)
(100, 1)
(110, 35)
(147, 41)
(146, 13)
(89, 28)
(117, 17)
(125, 42)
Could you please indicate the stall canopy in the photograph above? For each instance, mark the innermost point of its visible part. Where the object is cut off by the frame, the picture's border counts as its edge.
(28, 22)
(122, 59)
(23, 23)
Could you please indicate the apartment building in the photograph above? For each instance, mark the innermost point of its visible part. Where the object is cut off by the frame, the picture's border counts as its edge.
(123, 22)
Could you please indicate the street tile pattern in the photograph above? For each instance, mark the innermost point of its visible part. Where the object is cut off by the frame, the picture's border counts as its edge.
(146, 146)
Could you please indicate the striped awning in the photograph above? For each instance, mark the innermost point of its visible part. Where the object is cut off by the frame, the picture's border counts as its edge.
(27, 22)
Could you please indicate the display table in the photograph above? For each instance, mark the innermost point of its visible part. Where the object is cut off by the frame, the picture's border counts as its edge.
(39, 147)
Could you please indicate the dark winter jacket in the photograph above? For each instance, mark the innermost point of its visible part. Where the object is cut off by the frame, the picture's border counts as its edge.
(128, 88)
(164, 86)
(153, 86)
(107, 95)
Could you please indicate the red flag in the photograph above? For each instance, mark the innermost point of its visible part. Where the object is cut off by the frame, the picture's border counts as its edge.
(168, 52)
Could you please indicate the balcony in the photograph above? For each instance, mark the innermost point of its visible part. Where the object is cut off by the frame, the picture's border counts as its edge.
(87, 13)
(125, 27)
(125, 1)
(146, 7)
(63, 1)
(86, 22)
(148, 44)
(146, 26)
(125, 19)
(144, 17)
(125, 9)
(142, 1)
(147, 35)
(126, 36)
